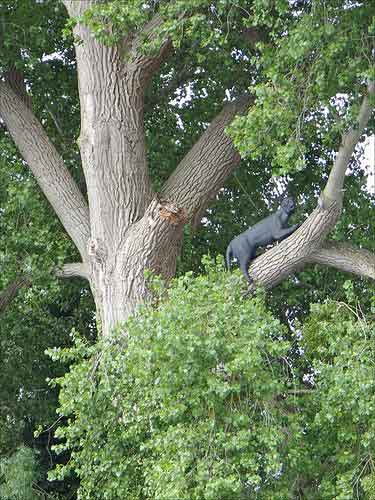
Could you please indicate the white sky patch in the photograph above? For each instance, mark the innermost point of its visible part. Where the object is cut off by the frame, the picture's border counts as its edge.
(369, 163)
(52, 57)
(183, 95)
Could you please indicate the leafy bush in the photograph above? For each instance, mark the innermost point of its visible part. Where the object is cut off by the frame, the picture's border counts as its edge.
(190, 408)
(208, 396)
(340, 411)
(18, 475)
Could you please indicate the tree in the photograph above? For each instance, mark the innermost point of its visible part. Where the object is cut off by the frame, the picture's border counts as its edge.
(128, 226)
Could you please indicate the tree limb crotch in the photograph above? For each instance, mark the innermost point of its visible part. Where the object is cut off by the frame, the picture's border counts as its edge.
(307, 244)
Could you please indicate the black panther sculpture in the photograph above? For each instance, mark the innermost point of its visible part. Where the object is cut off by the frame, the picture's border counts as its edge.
(273, 228)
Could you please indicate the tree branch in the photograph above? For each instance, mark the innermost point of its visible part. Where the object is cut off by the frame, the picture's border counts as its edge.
(145, 64)
(74, 269)
(202, 172)
(77, 269)
(148, 64)
(345, 257)
(111, 93)
(47, 166)
(307, 244)
(335, 183)
(293, 253)
(16, 81)
(11, 291)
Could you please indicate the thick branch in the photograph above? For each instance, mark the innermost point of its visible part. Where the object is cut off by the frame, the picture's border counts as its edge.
(307, 244)
(11, 291)
(335, 183)
(345, 257)
(203, 171)
(16, 82)
(112, 140)
(47, 166)
(70, 270)
(148, 64)
(293, 254)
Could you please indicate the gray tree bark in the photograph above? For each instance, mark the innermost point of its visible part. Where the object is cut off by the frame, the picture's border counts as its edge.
(127, 228)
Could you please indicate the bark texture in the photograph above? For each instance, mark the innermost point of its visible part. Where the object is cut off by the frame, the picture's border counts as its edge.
(294, 252)
(203, 171)
(153, 242)
(345, 257)
(47, 166)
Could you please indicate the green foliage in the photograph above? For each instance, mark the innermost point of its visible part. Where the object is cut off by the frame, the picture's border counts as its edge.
(202, 396)
(209, 25)
(18, 476)
(135, 431)
(185, 406)
(314, 76)
(32, 243)
(340, 345)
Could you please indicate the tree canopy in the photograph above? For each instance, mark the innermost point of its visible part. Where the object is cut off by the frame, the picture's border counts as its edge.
(142, 136)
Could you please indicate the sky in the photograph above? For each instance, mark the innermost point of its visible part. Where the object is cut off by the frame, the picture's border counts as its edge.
(369, 163)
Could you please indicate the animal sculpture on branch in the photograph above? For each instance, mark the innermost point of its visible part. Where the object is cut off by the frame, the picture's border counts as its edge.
(273, 228)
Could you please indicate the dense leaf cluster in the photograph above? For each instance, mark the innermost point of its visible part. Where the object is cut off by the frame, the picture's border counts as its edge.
(315, 69)
(208, 397)
(18, 476)
(189, 408)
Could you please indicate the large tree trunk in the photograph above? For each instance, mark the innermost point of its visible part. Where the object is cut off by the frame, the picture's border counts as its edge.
(152, 243)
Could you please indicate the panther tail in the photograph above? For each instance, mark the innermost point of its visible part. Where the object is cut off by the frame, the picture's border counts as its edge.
(228, 257)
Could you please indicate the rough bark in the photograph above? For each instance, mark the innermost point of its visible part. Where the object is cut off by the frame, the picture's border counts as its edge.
(47, 166)
(129, 228)
(15, 79)
(203, 171)
(345, 257)
(293, 253)
(112, 139)
(153, 243)
(128, 233)
(73, 270)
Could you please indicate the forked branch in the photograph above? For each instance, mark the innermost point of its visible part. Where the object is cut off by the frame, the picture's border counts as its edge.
(148, 64)
(307, 244)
